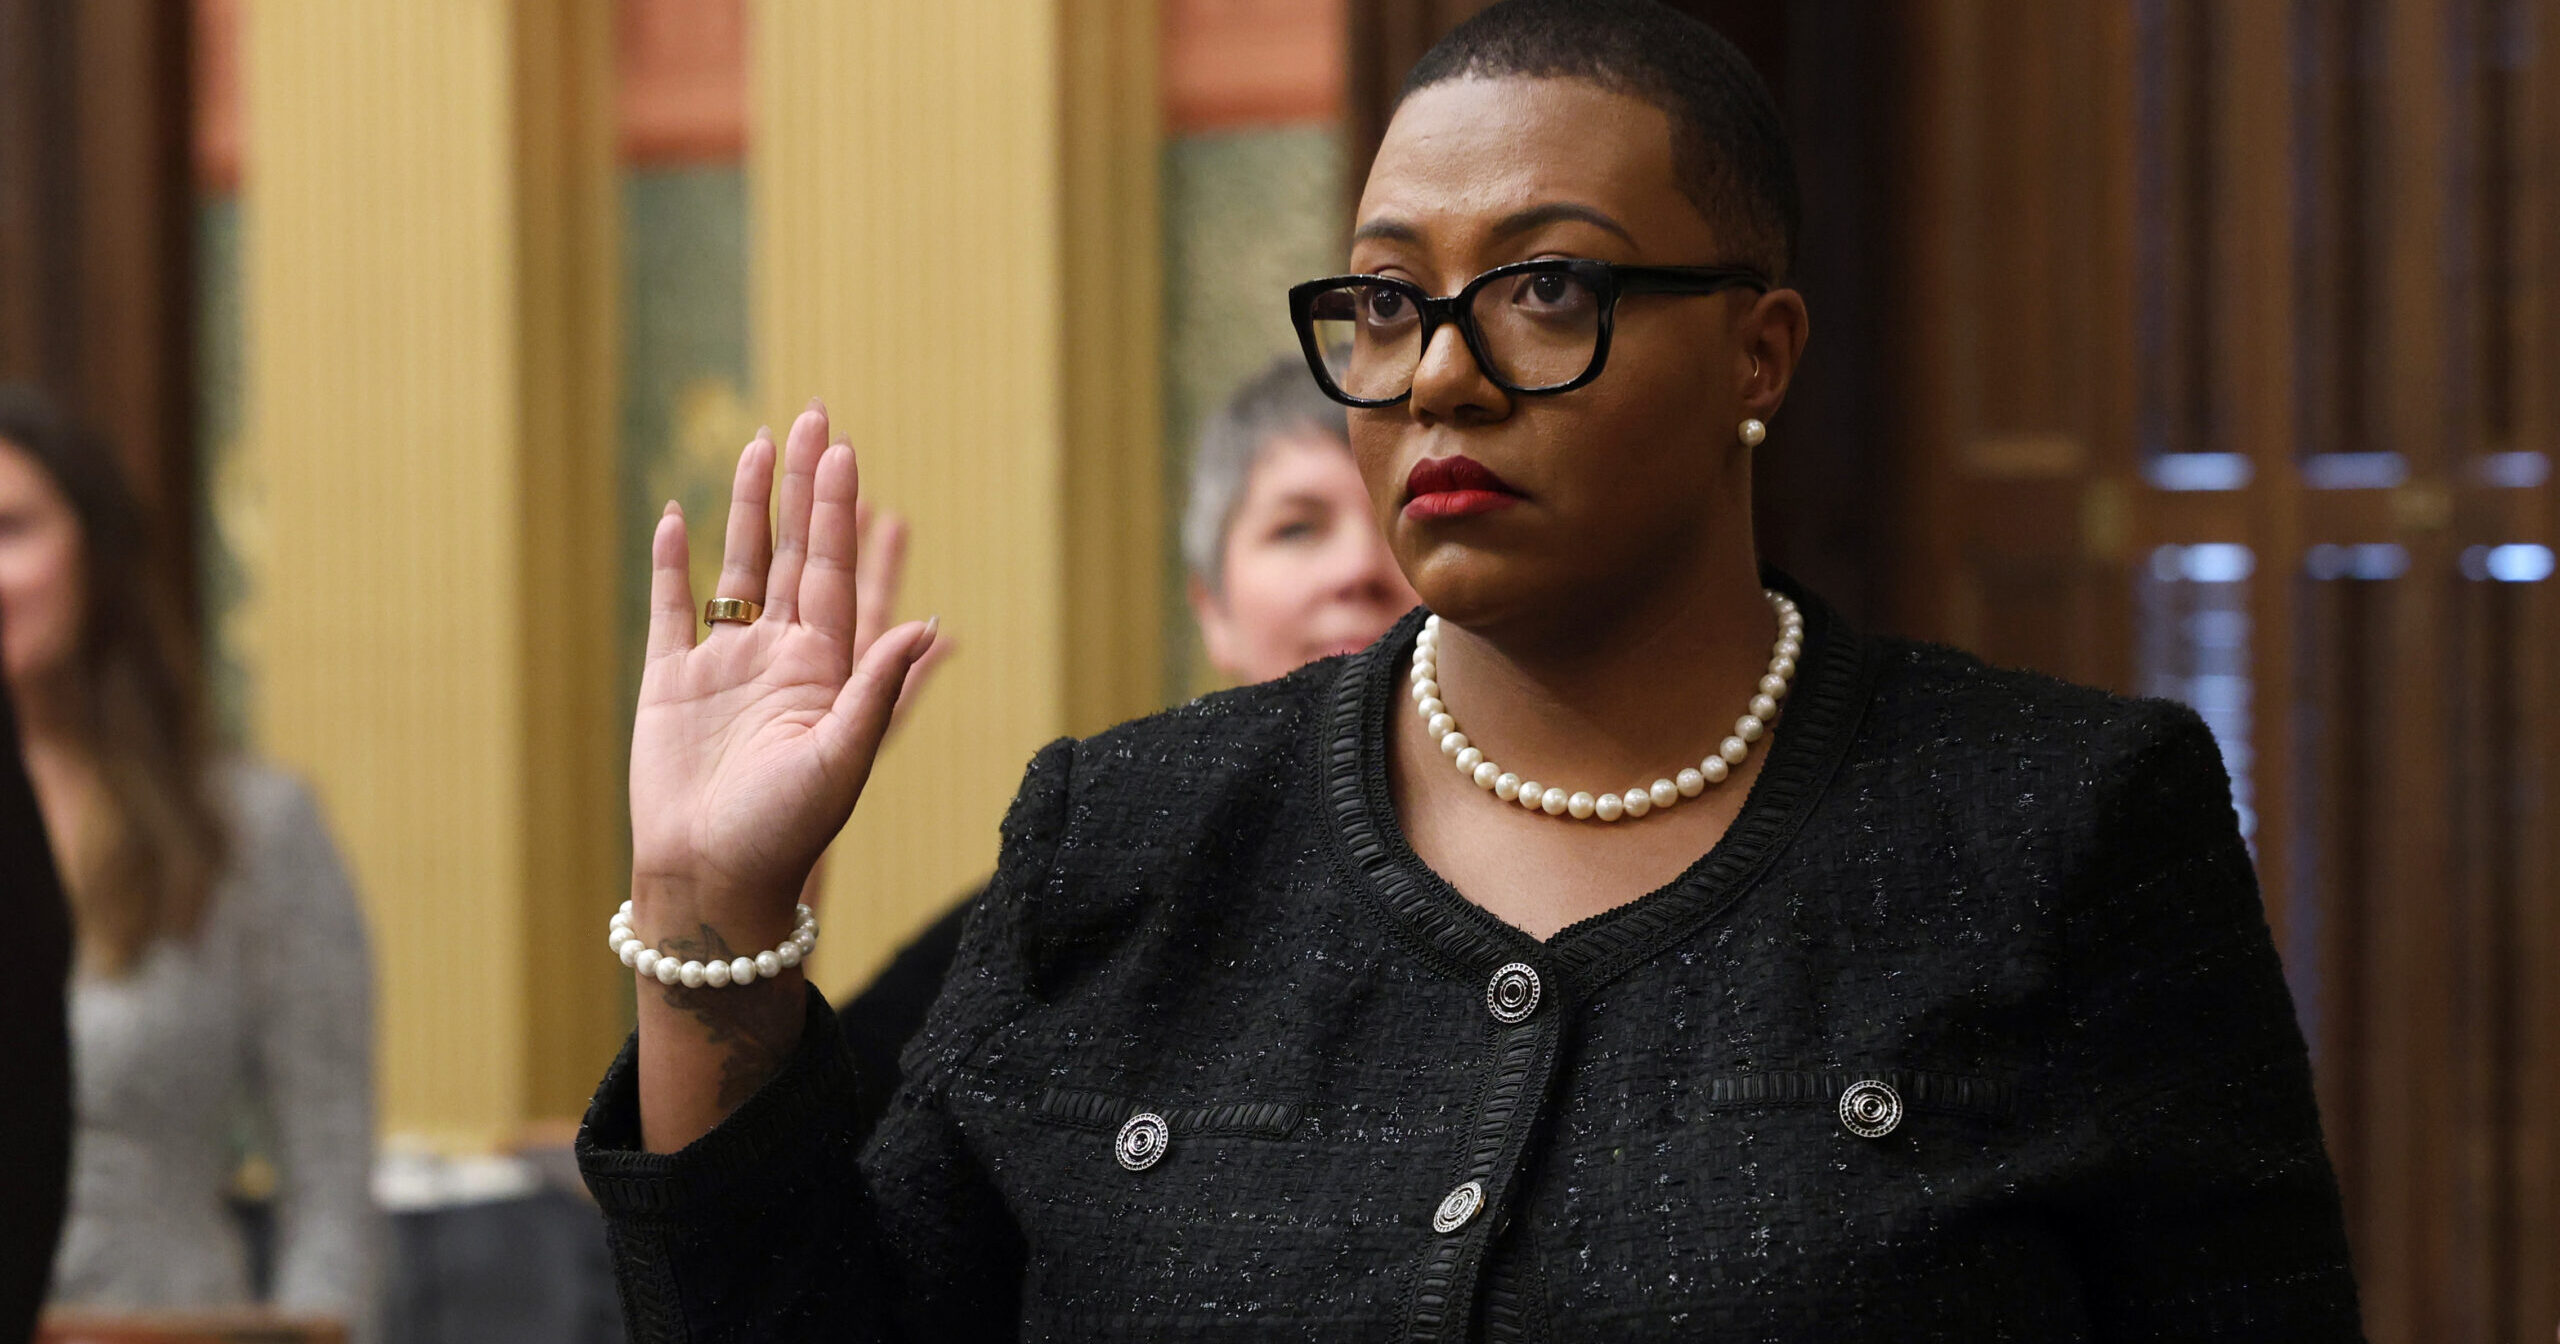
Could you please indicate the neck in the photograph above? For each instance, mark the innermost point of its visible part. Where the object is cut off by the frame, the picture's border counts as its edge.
(1631, 693)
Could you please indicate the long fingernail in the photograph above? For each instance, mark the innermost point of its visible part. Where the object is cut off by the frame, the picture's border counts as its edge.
(764, 433)
(671, 509)
(816, 405)
(841, 443)
(932, 627)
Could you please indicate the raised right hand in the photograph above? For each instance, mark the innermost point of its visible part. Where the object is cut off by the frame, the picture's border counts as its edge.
(751, 747)
(748, 753)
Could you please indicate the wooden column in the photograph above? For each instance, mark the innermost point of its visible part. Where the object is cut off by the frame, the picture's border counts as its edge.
(955, 243)
(97, 232)
(429, 269)
(1385, 38)
(2017, 359)
(2533, 1116)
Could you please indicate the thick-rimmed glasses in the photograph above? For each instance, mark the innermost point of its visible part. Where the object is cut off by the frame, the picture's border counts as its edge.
(1534, 327)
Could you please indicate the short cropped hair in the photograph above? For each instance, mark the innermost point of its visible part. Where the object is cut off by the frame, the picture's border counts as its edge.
(1728, 142)
(1275, 403)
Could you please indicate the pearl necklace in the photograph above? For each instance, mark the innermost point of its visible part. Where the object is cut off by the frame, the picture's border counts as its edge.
(1689, 783)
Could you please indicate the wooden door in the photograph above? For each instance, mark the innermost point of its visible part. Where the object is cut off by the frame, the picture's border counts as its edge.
(97, 232)
(2231, 356)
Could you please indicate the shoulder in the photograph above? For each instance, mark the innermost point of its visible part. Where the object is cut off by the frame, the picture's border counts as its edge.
(2010, 757)
(1225, 745)
(283, 859)
(1227, 724)
(264, 804)
(1932, 699)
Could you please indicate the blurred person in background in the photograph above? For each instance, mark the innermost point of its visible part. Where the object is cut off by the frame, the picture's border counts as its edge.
(218, 952)
(1287, 566)
(1287, 563)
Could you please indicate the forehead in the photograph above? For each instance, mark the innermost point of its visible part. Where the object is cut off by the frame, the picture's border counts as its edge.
(1464, 154)
(21, 480)
(1302, 462)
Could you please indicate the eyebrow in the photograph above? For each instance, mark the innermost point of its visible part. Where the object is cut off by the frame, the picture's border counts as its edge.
(1392, 230)
(1509, 226)
(1302, 499)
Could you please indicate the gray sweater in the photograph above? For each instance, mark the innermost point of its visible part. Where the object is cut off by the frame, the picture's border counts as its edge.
(271, 1005)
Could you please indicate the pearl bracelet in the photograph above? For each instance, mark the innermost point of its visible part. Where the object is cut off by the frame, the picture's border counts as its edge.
(714, 973)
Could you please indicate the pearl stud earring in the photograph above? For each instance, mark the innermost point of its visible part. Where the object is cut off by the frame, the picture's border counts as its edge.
(1752, 433)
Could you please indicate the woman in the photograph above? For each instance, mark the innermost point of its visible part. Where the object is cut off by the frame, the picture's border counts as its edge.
(1286, 564)
(219, 951)
(1843, 988)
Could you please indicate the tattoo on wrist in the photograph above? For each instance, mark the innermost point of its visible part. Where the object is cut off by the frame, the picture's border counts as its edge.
(751, 1024)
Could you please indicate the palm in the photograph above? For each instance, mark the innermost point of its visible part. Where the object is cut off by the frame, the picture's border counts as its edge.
(730, 739)
(751, 747)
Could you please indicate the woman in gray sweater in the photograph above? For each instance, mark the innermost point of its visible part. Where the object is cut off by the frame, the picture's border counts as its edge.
(220, 954)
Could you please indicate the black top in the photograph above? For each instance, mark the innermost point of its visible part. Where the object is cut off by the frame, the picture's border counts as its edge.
(35, 1047)
(879, 1021)
(2022, 906)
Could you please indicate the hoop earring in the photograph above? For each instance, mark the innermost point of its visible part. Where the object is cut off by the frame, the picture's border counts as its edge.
(1752, 433)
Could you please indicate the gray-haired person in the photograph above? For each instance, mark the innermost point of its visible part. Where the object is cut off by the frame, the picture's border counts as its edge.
(1287, 562)
(1287, 566)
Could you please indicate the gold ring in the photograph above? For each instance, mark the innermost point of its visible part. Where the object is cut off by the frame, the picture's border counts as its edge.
(737, 609)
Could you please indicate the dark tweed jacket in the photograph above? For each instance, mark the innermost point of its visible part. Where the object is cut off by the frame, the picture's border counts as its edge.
(2021, 905)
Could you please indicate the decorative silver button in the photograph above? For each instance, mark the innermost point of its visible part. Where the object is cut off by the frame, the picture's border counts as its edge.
(1512, 994)
(1459, 1207)
(1870, 1108)
(1142, 1141)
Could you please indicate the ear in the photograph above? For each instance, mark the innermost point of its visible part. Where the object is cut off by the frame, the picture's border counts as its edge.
(1771, 336)
(1217, 629)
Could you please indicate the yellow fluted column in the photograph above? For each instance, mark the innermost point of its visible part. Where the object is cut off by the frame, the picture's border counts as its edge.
(955, 243)
(428, 274)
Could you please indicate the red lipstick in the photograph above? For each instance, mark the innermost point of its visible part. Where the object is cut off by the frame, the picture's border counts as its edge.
(1454, 487)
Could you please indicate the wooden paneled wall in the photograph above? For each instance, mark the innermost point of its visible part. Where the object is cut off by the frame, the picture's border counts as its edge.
(2270, 284)
(428, 273)
(955, 243)
(97, 231)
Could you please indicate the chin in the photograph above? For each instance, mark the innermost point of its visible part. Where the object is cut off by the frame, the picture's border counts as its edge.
(1479, 589)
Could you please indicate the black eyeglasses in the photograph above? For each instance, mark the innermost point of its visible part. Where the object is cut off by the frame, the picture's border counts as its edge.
(1534, 327)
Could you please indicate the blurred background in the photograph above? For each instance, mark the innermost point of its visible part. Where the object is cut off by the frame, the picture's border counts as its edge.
(2199, 348)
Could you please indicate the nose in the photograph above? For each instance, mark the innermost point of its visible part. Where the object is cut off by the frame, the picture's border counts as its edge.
(1450, 386)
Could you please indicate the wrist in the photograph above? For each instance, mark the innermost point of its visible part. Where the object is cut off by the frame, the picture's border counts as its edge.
(673, 904)
(710, 960)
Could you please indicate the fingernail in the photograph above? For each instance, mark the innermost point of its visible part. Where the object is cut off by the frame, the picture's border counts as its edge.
(932, 627)
(671, 509)
(841, 443)
(816, 405)
(764, 433)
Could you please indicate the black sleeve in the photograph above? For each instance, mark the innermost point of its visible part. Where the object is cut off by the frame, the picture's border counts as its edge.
(2205, 1207)
(35, 1047)
(879, 1021)
(775, 1227)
